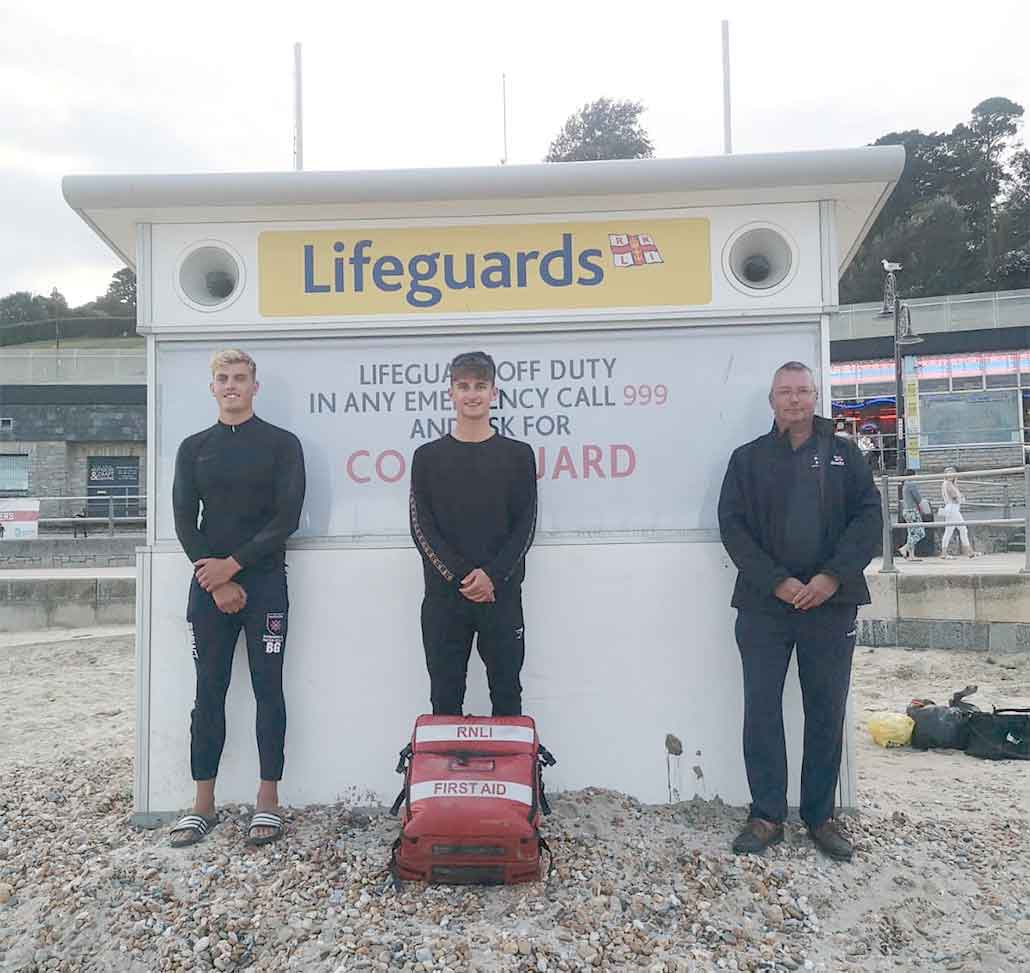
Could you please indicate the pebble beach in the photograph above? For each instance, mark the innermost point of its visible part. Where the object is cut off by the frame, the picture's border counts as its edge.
(939, 880)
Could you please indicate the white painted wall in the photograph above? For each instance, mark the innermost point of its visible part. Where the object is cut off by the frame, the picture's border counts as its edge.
(625, 643)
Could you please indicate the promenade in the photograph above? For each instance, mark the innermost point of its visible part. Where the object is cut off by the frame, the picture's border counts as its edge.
(979, 604)
(44, 598)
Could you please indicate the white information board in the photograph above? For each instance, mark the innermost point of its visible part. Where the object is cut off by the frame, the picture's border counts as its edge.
(631, 429)
(19, 518)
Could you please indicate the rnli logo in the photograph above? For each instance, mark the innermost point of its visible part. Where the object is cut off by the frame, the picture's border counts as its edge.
(633, 249)
(475, 731)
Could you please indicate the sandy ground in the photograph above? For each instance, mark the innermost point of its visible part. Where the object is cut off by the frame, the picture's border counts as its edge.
(938, 784)
(66, 697)
(939, 882)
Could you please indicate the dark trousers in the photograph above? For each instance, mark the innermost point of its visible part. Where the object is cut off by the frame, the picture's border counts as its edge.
(449, 623)
(825, 642)
(214, 634)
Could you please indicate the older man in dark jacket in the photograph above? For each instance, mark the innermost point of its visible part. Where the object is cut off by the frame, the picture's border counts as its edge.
(800, 517)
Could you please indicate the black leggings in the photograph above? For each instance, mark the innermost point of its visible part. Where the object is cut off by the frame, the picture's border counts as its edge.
(214, 636)
(449, 623)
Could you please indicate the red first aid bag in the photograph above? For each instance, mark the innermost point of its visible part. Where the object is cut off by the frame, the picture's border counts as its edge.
(471, 803)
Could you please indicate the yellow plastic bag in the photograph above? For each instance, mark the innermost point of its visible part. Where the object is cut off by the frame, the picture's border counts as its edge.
(891, 729)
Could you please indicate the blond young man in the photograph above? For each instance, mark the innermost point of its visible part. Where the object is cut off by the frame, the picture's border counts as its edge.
(244, 478)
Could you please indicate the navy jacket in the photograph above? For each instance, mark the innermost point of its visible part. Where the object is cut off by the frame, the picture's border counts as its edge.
(752, 513)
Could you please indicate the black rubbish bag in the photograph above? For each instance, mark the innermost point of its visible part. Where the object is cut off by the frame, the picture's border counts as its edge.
(1001, 735)
(942, 727)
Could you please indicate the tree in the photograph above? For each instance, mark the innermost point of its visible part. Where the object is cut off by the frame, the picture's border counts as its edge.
(1013, 271)
(962, 204)
(56, 303)
(933, 245)
(924, 176)
(603, 129)
(22, 306)
(121, 294)
(1014, 214)
(978, 173)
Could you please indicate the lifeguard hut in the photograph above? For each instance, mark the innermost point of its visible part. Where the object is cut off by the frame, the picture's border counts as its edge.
(636, 310)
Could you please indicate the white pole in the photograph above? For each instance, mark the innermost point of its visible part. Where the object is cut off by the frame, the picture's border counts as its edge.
(504, 115)
(727, 135)
(298, 112)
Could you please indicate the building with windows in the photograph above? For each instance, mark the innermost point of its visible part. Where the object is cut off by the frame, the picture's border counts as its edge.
(973, 371)
(73, 423)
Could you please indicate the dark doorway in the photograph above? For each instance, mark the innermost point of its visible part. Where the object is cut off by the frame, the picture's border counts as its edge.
(116, 477)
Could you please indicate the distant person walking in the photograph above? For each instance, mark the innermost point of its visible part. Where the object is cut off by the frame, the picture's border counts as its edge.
(953, 500)
(868, 448)
(912, 505)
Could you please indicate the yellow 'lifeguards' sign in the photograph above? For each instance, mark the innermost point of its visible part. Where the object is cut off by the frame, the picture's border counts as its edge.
(636, 262)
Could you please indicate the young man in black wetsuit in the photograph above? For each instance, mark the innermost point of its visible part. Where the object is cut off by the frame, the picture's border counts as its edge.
(473, 515)
(249, 477)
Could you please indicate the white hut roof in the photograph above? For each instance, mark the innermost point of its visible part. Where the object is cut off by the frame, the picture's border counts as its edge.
(858, 180)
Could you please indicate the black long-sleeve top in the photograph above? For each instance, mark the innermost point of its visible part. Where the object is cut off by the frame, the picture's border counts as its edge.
(473, 505)
(250, 480)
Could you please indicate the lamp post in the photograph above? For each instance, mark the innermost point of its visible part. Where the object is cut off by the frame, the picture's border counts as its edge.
(902, 336)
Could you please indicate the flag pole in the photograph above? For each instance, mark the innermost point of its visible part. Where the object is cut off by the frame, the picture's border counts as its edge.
(504, 116)
(727, 135)
(298, 112)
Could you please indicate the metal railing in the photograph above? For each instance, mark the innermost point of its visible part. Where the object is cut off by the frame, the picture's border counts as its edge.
(73, 366)
(958, 312)
(889, 482)
(114, 511)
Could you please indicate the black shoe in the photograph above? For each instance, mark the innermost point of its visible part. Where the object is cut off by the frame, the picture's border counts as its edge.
(831, 842)
(758, 834)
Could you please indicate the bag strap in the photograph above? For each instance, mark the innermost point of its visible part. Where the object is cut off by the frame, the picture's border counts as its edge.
(391, 868)
(544, 758)
(544, 846)
(545, 805)
(403, 766)
(1011, 711)
(957, 698)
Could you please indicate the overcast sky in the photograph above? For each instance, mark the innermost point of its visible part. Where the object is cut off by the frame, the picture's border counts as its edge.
(204, 87)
